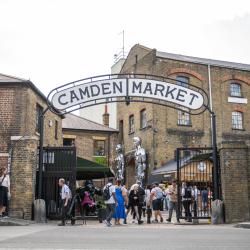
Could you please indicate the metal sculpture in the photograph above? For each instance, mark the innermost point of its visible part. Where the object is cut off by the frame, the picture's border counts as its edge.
(140, 160)
(120, 167)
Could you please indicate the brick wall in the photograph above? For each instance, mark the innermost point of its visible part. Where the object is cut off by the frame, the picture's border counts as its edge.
(235, 176)
(84, 142)
(18, 131)
(23, 176)
(169, 135)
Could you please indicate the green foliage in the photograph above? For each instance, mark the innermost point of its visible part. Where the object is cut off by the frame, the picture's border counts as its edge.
(102, 160)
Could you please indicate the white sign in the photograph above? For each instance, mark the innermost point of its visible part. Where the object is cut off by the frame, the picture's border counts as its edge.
(131, 87)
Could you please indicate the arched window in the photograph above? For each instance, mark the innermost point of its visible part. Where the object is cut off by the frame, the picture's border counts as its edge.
(237, 120)
(235, 90)
(143, 118)
(183, 81)
(131, 124)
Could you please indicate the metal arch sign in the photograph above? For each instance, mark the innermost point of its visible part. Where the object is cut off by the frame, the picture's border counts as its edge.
(127, 88)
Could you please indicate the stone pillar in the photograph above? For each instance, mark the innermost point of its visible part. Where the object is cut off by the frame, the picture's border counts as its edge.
(23, 176)
(235, 173)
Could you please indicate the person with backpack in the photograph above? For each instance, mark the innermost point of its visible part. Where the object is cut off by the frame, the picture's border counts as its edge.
(110, 200)
(186, 193)
(156, 198)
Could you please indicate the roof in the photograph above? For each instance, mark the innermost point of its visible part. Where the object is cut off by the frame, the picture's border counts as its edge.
(75, 122)
(171, 166)
(205, 61)
(7, 79)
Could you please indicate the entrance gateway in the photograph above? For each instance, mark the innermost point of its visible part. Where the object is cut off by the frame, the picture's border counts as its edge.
(133, 88)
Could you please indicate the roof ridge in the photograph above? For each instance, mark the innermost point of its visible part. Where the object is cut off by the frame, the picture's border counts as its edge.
(15, 77)
(205, 60)
(80, 117)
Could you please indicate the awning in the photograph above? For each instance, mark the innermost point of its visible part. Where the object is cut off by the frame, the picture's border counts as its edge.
(91, 170)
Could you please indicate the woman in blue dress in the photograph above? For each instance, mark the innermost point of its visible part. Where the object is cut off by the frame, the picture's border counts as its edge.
(121, 196)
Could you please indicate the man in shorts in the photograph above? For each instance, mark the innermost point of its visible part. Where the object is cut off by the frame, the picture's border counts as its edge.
(156, 197)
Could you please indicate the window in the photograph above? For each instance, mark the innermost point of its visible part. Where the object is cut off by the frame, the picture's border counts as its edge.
(39, 111)
(184, 118)
(183, 81)
(143, 118)
(131, 124)
(235, 89)
(56, 129)
(237, 120)
(99, 148)
(68, 142)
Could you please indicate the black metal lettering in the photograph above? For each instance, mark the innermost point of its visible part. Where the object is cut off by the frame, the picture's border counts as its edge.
(193, 96)
(148, 88)
(159, 88)
(84, 92)
(180, 94)
(106, 88)
(73, 96)
(170, 92)
(92, 90)
(136, 87)
(115, 86)
(60, 101)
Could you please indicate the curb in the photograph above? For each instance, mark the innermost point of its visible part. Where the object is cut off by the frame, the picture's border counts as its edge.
(245, 225)
(15, 222)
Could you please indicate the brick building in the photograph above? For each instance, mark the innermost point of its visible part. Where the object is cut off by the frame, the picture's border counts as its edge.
(163, 129)
(21, 103)
(93, 141)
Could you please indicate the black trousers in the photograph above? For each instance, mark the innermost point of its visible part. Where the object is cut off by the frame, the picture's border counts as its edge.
(64, 210)
(187, 207)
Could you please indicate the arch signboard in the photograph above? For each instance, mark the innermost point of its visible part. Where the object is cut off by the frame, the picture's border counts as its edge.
(128, 88)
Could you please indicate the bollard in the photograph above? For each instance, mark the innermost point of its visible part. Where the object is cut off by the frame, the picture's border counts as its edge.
(217, 212)
(39, 211)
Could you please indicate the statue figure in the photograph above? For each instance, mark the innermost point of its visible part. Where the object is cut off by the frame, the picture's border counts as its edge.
(140, 160)
(120, 168)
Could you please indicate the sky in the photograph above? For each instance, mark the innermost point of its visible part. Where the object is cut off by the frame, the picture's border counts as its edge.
(53, 42)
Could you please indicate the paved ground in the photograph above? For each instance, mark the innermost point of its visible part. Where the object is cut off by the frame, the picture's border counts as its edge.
(95, 236)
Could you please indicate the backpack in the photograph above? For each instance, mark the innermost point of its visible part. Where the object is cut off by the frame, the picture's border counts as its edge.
(106, 193)
(159, 193)
(188, 193)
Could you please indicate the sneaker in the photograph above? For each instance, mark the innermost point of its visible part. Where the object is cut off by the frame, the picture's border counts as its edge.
(155, 221)
(161, 220)
(125, 221)
(133, 221)
(140, 222)
(168, 220)
(61, 224)
(108, 224)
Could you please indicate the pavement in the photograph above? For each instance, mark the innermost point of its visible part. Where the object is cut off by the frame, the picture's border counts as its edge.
(95, 236)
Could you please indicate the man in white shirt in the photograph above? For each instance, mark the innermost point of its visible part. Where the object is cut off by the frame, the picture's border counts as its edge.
(65, 199)
(110, 201)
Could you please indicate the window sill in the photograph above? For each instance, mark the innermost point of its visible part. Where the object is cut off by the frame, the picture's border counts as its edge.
(131, 133)
(184, 125)
(238, 129)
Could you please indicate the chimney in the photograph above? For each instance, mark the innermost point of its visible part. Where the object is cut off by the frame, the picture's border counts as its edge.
(105, 116)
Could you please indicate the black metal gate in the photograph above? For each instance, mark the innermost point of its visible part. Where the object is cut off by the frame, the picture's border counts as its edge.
(58, 162)
(195, 181)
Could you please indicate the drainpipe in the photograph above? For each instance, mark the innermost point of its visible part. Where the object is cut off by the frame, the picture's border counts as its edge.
(210, 100)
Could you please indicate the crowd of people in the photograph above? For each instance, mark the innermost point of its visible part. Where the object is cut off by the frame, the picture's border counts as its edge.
(149, 203)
